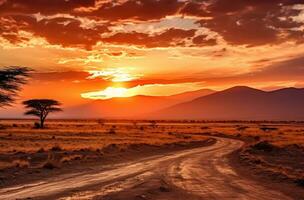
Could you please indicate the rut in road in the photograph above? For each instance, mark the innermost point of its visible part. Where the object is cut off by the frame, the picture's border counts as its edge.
(203, 172)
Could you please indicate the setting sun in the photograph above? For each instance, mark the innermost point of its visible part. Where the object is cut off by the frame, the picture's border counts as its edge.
(108, 93)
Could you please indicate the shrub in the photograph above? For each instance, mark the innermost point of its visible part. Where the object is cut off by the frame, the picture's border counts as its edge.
(187, 137)
(300, 182)
(21, 163)
(242, 128)
(257, 138)
(70, 158)
(41, 150)
(56, 148)
(263, 146)
(52, 162)
(36, 125)
(112, 131)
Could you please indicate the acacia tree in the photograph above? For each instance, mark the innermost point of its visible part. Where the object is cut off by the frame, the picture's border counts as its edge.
(11, 80)
(41, 108)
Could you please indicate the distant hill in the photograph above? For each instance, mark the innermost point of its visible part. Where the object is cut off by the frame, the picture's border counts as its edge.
(130, 107)
(240, 103)
(119, 107)
(188, 96)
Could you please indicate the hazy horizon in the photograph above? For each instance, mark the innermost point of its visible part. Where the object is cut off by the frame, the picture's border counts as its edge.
(142, 107)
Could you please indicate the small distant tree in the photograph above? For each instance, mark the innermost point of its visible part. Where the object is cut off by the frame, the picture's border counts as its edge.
(41, 108)
(11, 80)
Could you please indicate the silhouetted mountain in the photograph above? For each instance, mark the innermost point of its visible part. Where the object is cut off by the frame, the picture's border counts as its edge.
(241, 103)
(188, 96)
(130, 107)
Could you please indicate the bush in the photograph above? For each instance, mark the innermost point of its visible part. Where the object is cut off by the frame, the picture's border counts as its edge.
(300, 182)
(21, 163)
(2, 127)
(52, 162)
(257, 138)
(187, 137)
(112, 131)
(263, 146)
(37, 125)
(41, 150)
(242, 128)
(56, 148)
(205, 127)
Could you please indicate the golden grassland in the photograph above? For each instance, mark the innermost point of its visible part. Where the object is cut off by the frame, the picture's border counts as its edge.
(26, 150)
(20, 136)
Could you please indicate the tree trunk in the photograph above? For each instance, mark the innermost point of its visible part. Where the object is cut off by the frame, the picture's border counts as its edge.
(41, 122)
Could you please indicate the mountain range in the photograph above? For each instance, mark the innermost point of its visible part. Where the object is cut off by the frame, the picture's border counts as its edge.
(237, 103)
(130, 107)
(240, 103)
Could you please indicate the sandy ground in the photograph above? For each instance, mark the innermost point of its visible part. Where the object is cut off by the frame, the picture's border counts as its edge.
(198, 173)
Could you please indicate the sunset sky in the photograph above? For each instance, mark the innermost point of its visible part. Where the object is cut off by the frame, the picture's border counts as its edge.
(97, 49)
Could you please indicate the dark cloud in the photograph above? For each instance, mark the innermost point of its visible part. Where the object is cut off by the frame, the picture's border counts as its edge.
(62, 31)
(194, 8)
(252, 22)
(69, 32)
(42, 6)
(243, 22)
(202, 40)
(9, 30)
(170, 37)
(137, 10)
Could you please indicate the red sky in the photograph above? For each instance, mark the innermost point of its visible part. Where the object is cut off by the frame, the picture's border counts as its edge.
(100, 48)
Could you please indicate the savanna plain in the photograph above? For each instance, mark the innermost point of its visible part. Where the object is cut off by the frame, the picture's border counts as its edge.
(271, 153)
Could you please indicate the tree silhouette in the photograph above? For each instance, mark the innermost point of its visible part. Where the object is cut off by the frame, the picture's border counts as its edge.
(11, 80)
(41, 108)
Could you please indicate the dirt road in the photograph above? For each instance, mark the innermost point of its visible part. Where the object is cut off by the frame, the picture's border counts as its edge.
(200, 173)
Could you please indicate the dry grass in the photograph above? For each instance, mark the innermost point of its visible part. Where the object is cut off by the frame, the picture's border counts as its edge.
(19, 137)
(53, 161)
(64, 141)
(279, 134)
(75, 135)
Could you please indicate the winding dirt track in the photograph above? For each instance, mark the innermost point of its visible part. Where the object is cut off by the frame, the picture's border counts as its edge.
(200, 173)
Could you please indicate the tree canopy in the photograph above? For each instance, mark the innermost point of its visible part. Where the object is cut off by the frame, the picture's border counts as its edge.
(11, 80)
(41, 108)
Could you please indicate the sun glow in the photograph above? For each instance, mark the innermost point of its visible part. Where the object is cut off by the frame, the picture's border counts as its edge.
(146, 90)
(108, 93)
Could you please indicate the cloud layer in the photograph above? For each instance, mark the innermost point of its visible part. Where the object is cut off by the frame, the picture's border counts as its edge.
(84, 23)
